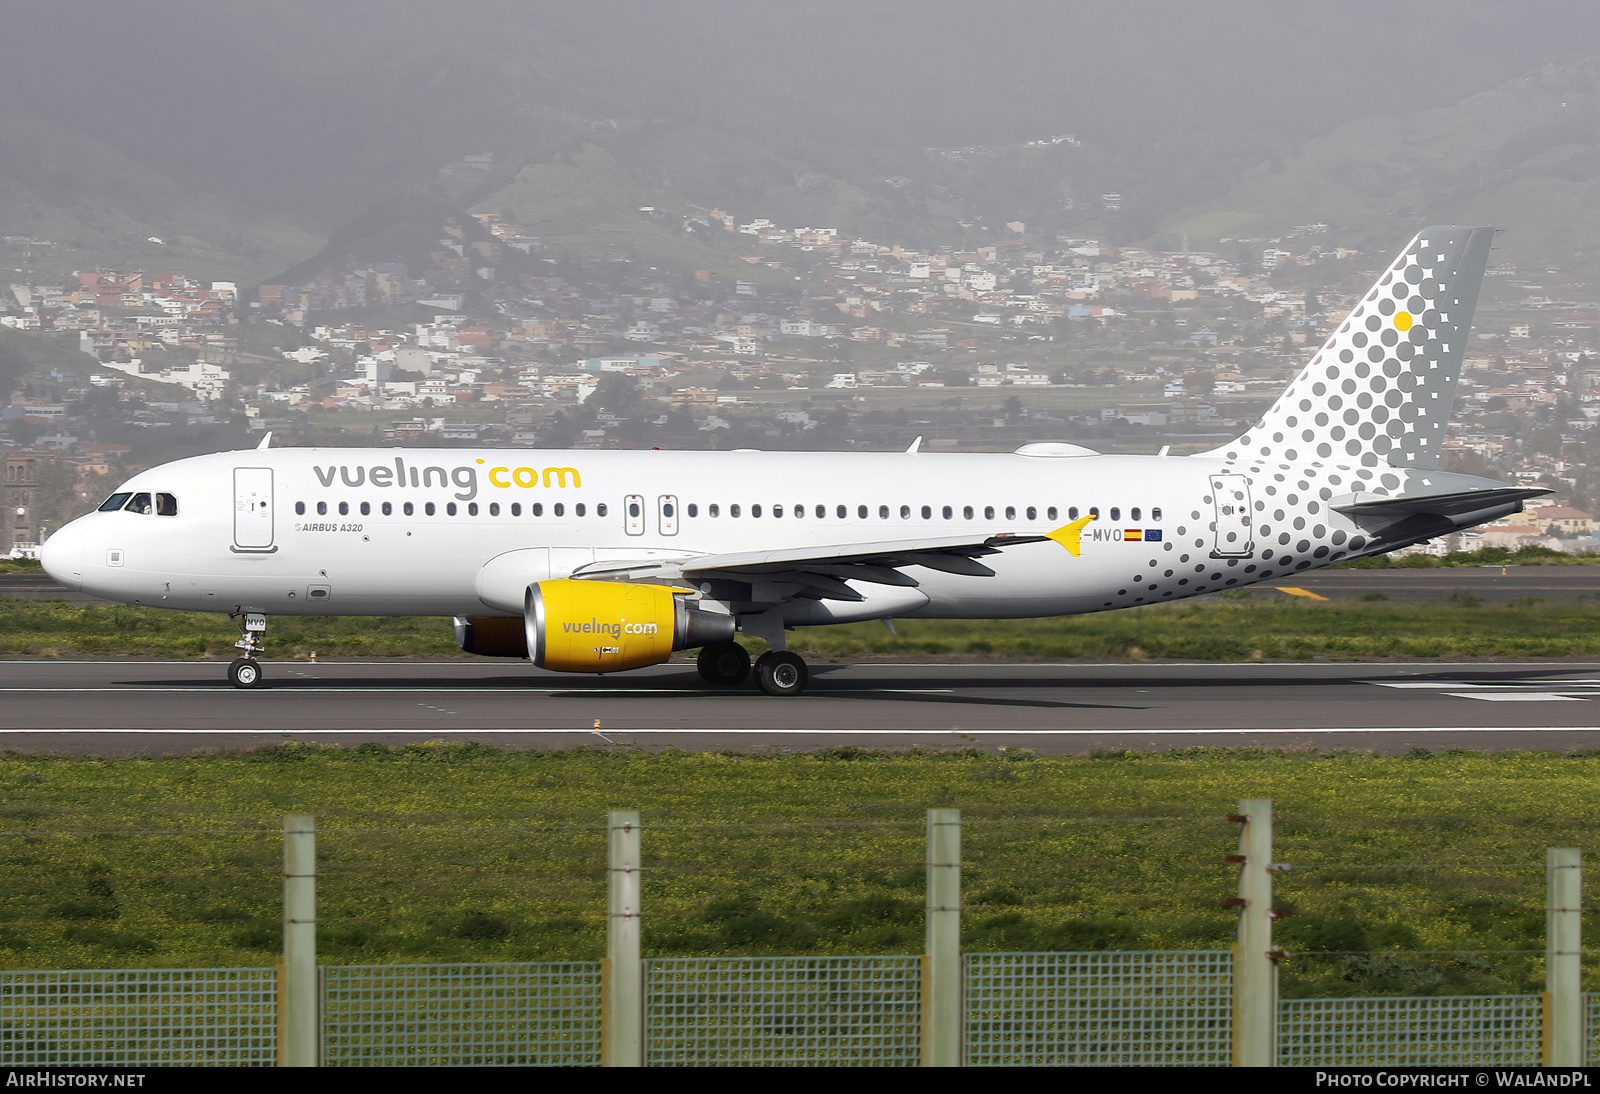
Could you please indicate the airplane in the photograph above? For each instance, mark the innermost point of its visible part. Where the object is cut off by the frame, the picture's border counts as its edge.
(603, 561)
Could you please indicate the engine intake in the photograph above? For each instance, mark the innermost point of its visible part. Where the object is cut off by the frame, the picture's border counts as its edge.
(608, 626)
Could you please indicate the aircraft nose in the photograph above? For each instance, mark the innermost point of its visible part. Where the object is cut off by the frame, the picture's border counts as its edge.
(62, 556)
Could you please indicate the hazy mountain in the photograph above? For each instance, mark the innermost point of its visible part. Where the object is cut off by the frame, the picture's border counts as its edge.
(1524, 156)
(275, 119)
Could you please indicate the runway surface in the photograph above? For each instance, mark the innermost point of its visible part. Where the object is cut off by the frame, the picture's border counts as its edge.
(151, 708)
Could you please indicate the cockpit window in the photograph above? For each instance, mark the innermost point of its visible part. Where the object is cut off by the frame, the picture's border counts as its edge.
(140, 504)
(115, 502)
(166, 505)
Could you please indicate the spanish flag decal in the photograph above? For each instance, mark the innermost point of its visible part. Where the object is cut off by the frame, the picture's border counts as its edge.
(1068, 535)
(1132, 535)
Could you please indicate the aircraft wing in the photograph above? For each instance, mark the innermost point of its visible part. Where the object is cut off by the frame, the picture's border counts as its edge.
(822, 571)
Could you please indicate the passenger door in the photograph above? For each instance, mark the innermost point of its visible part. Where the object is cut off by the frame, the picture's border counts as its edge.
(1230, 495)
(667, 513)
(252, 509)
(633, 514)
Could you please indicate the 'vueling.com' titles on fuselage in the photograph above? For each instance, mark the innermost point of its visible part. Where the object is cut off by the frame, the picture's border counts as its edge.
(465, 479)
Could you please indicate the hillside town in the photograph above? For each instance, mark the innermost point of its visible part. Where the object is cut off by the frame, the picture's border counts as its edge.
(813, 340)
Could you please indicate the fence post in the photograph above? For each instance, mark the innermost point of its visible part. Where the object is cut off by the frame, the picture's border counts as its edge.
(622, 975)
(941, 961)
(299, 1023)
(1563, 959)
(1255, 967)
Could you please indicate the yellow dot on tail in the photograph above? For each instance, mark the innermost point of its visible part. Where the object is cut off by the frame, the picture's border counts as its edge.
(1402, 320)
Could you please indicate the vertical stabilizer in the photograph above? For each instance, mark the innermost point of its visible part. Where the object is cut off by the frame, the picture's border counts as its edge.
(1380, 390)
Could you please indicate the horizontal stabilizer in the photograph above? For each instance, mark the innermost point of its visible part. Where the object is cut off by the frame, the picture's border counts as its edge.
(1451, 504)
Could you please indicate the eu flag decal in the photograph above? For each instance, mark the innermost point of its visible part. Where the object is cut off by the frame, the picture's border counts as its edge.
(1151, 535)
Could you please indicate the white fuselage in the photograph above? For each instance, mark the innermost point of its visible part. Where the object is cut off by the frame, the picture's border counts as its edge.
(306, 531)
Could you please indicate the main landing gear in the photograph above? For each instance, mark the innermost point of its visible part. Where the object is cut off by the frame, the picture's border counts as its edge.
(245, 672)
(777, 672)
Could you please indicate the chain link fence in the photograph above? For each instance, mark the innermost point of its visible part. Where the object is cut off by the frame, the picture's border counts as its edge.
(1023, 1009)
(139, 1017)
(1438, 1031)
(544, 1014)
(1099, 1009)
(817, 1011)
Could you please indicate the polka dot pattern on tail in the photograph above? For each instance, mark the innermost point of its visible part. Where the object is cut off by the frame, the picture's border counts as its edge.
(1379, 392)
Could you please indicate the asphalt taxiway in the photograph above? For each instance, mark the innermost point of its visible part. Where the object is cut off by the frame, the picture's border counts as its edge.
(146, 707)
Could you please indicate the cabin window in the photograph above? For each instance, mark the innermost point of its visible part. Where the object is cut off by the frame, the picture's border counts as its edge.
(322, 507)
(516, 509)
(409, 509)
(822, 511)
(580, 510)
(1050, 513)
(777, 511)
(733, 510)
(948, 512)
(117, 501)
(927, 512)
(799, 512)
(694, 510)
(861, 512)
(344, 508)
(1072, 513)
(600, 509)
(905, 512)
(1155, 514)
(430, 509)
(1133, 514)
(537, 509)
(1094, 511)
(1116, 514)
(559, 509)
(366, 508)
(755, 510)
(1033, 514)
(166, 505)
(388, 508)
(988, 512)
(713, 510)
(450, 509)
(883, 512)
(494, 509)
(633, 509)
(472, 508)
(299, 506)
(1011, 512)
(966, 512)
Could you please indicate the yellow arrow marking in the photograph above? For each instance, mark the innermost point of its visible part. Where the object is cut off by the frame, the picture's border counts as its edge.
(1307, 593)
(1068, 534)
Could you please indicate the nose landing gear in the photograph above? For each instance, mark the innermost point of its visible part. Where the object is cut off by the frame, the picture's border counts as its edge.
(245, 672)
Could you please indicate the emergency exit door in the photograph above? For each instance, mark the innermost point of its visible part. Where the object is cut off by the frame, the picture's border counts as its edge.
(252, 509)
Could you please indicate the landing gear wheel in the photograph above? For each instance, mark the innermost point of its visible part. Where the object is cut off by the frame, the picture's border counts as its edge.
(244, 672)
(723, 665)
(781, 674)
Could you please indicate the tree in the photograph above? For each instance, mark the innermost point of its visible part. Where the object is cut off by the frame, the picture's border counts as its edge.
(615, 392)
(1013, 408)
(13, 367)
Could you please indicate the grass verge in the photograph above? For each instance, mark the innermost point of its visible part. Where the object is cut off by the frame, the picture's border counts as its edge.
(1236, 626)
(1403, 867)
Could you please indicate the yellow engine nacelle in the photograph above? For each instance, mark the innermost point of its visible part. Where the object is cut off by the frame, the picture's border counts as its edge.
(608, 626)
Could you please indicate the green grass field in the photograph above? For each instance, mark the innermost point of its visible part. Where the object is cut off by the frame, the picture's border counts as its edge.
(1404, 868)
(1236, 626)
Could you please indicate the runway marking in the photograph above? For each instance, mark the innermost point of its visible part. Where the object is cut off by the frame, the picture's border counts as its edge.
(1295, 590)
(589, 732)
(1519, 696)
